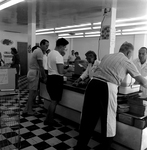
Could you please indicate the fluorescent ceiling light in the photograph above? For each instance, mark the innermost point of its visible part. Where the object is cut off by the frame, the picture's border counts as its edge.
(131, 24)
(78, 33)
(64, 34)
(135, 29)
(9, 3)
(127, 33)
(132, 19)
(92, 32)
(118, 34)
(118, 31)
(97, 27)
(78, 29)
(97, 23)
(69, 37)
(74, 26)
(45, 33)
(92, 35)
(43, 30)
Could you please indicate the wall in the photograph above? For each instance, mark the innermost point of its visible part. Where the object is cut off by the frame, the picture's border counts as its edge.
(82, 45)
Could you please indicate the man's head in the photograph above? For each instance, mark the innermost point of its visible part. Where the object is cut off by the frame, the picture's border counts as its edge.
(61, 45)
(91, 56)
(127, 49)
(44, 44)
(142, 54)
(76, 54)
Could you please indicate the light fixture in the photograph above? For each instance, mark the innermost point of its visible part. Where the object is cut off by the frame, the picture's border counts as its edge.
(43, 30)
(69, 37)
(129, 33)
(74, 26)
(92, 35)
(79, 33)
(67, 34)
(78, 29)
(135, 29)
(98, 27)
(132, 19)
(45, 33)
(9, 3)
(131, 24)
(97, 23)
(96, 32)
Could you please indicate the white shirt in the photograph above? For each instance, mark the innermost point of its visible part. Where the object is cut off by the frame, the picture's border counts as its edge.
(71, 58)
(45, 62)
(89, 70)
(142, 68)
(54, 58)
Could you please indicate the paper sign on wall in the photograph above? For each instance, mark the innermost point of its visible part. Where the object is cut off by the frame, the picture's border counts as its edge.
(3, 76)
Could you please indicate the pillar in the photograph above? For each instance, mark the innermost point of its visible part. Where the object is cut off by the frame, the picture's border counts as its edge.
(31, 27)
(106, 42)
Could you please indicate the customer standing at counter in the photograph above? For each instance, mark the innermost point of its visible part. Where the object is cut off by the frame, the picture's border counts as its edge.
(15, 64)
(71, 58)
(100, 99)
(141, 64)
(54, 84)
(92, 64)
(35, 70)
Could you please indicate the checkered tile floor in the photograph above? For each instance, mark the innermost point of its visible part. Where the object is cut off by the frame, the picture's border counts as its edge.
(34, 135)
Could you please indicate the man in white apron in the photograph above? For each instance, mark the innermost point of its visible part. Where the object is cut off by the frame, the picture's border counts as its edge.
(141, 64)
(100, 99)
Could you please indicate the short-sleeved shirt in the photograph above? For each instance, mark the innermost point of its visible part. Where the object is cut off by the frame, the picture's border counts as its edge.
(36, 55)
(115, 67)
(71, 58)
(45, 62)
(142, 68)
(54, 58)
(89, 70)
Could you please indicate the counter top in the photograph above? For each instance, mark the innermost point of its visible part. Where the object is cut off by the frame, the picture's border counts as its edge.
(68, 85)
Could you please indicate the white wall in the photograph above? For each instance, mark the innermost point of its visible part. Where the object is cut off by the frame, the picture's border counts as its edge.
(82, 45)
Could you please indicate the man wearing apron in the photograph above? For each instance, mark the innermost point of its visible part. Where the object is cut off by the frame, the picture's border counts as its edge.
(141, 64)
(100, 99)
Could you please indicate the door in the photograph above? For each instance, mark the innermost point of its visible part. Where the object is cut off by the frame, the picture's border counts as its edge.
(23, 54)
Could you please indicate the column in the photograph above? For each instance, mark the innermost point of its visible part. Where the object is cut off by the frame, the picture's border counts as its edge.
(106, 42)
(31, 26)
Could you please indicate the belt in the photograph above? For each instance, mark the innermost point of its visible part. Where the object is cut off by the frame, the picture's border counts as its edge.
(98, 78)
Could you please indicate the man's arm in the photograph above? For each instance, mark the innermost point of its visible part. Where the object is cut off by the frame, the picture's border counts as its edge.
(60, 68)
(40, 62)
(141, 80)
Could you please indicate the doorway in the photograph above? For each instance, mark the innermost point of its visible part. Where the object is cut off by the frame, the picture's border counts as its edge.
(23, 54)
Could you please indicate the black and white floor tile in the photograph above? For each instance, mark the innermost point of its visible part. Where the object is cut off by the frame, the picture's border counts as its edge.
(32, 134)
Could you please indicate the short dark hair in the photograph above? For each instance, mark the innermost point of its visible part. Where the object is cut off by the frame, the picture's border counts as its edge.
(13, 49)
(143, 48)
(76, 53)
(34, 47)
(61, 42)
(43, 42)
(126, 46)
(93, 53)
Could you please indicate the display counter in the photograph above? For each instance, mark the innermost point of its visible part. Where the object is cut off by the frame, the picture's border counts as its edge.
(128, 135)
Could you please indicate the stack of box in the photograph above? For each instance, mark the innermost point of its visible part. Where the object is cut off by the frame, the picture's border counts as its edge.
(138, 106)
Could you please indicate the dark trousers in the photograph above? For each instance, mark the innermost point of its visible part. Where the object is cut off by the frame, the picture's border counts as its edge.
(55, 88)
(94, 107)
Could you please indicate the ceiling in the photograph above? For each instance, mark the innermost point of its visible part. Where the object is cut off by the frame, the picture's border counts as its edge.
(58, 13)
